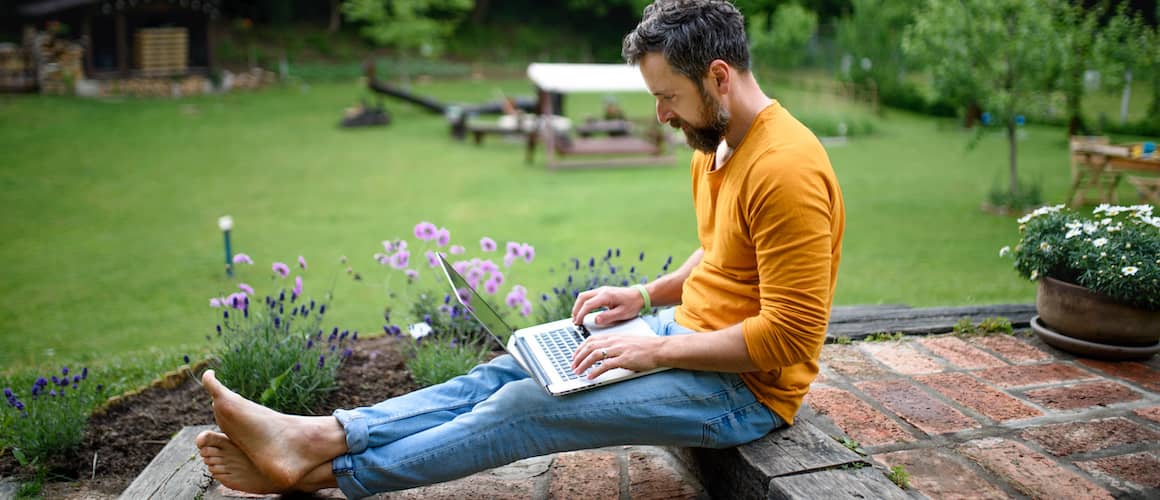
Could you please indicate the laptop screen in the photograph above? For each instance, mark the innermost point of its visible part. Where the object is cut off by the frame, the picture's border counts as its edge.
(479, 307)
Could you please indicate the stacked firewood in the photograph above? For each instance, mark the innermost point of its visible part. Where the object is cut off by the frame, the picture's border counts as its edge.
(60, 63)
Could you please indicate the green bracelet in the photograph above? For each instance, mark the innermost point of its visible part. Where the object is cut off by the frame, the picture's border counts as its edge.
(644, 295)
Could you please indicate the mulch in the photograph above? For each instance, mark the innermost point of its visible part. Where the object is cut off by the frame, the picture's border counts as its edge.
(121, 442)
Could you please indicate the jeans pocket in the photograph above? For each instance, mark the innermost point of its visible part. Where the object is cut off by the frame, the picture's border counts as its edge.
(739, 426)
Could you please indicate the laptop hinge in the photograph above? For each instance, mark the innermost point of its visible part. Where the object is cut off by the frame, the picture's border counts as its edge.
(526, 352)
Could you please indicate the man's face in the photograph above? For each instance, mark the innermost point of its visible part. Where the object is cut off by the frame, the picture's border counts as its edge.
(684, 104)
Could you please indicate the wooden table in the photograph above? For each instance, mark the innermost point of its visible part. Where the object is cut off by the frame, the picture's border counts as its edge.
(1107, 163)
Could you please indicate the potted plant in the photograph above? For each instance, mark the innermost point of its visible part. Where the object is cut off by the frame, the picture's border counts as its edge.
(1098, 278)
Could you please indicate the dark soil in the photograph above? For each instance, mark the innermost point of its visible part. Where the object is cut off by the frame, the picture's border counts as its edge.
(121, 442)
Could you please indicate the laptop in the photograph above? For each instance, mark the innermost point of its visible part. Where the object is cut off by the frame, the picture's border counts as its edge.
(545, 350)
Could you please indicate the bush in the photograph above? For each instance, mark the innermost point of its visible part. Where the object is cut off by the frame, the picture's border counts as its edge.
(577, 275)
(434, 361)
(50, 419)
(275, 353)
(1028, 196)
(838, 126)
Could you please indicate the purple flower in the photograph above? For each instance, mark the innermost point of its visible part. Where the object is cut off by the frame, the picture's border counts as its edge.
(488, 266)
(425, 231)
(77, 378)
(297, 367)
(487, 244)
(457, 250)
(64, 370)
(509, 259)
(281, 269)
(310, 344)
(321, 360)
(52, 393)
(354, 337)
(432, 259)
(246, 288)
(55, 380)
(491, 286)
(464, 295)
(513, 248)
(411, 274)
(347, 352)
(302, 262)
(19, 406)
(215, 302)
(84, 373)
(241, 258)
(400, 259)
(460, 267)
(297, 286)
(238, 300)
(497, 277)
(388, 246)
(41, 382)
(442, 237)
(528, 252)
(514, 299)
(526, 309)
(186, 359)
(8, 393)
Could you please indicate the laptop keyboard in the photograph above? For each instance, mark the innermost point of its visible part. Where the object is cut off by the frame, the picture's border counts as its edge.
(560, 344)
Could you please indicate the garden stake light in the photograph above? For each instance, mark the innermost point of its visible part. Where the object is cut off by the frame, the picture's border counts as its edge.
(226, 223)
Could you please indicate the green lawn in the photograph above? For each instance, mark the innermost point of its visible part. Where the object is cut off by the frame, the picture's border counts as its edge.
(111, 246)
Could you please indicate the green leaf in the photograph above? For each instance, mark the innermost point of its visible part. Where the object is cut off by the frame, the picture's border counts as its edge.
(268, 394)
(20, 457)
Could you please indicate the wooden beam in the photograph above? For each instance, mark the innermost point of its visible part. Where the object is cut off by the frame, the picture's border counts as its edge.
(122, 46)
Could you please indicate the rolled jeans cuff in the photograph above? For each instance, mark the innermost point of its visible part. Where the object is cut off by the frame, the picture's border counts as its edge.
(357, 434)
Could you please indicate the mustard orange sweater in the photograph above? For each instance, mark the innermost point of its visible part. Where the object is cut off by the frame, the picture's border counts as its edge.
(770, 222)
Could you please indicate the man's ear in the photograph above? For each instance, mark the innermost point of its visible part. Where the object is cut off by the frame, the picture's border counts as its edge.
(720, 76)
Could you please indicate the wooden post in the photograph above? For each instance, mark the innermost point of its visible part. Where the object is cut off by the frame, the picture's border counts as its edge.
(87, 39)
(122, 46)
(209, 46)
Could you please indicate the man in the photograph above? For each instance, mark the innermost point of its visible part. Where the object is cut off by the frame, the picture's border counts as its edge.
(758, 292)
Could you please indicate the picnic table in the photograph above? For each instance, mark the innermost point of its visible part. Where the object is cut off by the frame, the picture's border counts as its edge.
(1099, 166)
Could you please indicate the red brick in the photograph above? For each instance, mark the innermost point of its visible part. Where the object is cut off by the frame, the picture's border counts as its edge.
(1026, 375)
(901, 357)
(1140, 469)
(1032, 473)
(960, 353)
(1076, 437)
(1082, 395)
(1012, 349)
(917, 407)
(1133, 372)
(938, 473)
(849, 361)
(650, 477)
(855, 417)
(971, 393)
(585, 474)
(1151, 413)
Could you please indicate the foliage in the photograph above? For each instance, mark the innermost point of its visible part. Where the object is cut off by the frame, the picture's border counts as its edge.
(1114, 252)
(50, 418)
(408, 25)
(1027, 196)
(432, 361)
(1077, 29)
(1127, 47)
(899, 476)
(843, 340)
(964, 326)
(996, 324)
(996, 53)
(576, 275)
(871, 36)
(852, 445)
(782, 43)
(828, 125)
(275, 356)
(884, 337)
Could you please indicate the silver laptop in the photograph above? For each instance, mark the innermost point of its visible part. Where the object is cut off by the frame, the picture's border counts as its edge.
(545, 350)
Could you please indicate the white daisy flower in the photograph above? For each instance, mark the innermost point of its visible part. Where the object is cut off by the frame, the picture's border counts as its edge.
(1099, 242)
(1004, 251)
(1129, 270)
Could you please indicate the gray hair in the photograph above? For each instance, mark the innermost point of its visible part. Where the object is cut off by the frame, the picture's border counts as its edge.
(690, 34)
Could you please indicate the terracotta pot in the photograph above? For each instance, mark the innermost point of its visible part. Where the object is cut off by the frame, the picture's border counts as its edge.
(1077, 312)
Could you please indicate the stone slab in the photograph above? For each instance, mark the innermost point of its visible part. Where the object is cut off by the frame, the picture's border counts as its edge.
(901, 357)
(960, 353)
(1080, 437)
(860, 421)
(1137, 373)
(1012, 348)
(585, 474)
(1082, 395)
(1031, 375)
(917, 407)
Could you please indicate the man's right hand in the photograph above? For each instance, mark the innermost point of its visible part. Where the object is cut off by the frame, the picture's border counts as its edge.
(621, 304)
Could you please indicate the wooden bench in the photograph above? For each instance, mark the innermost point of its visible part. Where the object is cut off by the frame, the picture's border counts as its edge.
(1147, 187)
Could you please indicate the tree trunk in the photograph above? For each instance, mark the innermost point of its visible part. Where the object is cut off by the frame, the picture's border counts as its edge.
(335, 16)
(479, 13)
(1075, 122)
(1012, 154)
(1126, 97)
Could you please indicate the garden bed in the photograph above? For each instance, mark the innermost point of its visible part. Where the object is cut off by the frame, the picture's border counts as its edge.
(121, 442)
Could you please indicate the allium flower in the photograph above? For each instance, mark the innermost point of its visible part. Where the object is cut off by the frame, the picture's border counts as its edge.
(241, 258)
(457, 250)
(297, 286)
(432, 259)
(509, 259)
(497, 277)
(1130, 270)
(215, 302)
(527, 252)
(281, 269)
(411, 274)
(425, 231)
(487, 244)
(400, 259)
(491, 286)
(516, 297)
(302, 262)
(246, 288)
(526, 309)
(442, 237)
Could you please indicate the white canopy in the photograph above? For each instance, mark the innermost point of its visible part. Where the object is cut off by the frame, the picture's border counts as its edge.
(563, 78)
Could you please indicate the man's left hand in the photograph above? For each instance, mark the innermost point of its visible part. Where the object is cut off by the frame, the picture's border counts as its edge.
(617, 351)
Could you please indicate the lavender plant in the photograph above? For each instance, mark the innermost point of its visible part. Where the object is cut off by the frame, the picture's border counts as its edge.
(1114, 252)
(50, 418)
(578, 275)
(278, 353)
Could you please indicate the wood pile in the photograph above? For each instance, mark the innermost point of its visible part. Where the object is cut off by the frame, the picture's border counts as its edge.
(155, 87)
(161, 51)
(59, 63)
(15, 72)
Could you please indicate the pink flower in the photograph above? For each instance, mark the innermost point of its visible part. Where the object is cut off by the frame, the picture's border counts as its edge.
(400, 259)
(282, 269)
(464, 295)
(242, 258)
(425, 230)
(237, 300)
(513, 248)
(388, 246)
(457, 249)
(488, 266)
(460, 267)
(215, 302)
(528, 252)
(411, 274)
(442, 237)
(513, 300)
(526, 309)
(381, 258)
(497, 277)
(474, 275)
(508, 259)
(491, 286)
(302, 262)
(246, 288)
(297, 286)
(487, 244)
(432, 259)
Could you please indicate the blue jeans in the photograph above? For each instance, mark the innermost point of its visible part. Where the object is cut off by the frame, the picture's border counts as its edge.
(496, 414)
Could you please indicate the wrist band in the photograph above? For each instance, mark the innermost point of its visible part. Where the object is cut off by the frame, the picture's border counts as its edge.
(644, 295)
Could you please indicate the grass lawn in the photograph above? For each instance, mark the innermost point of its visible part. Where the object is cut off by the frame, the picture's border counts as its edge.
(111, 246)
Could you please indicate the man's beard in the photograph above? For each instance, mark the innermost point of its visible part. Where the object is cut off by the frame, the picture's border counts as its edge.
(706, 137)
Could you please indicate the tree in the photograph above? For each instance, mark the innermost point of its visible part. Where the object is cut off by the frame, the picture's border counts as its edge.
(873, 33)
(1122, 49)
(1078, 30)
(783, 43)
(1000, 52)
(409, 26)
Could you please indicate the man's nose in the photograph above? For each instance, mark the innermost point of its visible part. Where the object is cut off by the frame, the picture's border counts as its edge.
(664, 114)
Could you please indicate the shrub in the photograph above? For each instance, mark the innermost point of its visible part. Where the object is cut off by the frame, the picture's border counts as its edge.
(579, 275)
(1114, 252)
(434, 361)
(276, 353)
(50, 419)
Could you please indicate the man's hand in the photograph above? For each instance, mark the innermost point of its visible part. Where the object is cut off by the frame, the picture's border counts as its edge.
(622, 304)
(616, 351)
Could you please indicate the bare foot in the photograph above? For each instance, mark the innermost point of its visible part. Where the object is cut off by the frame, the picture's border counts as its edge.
(230, 466)
(284, 448)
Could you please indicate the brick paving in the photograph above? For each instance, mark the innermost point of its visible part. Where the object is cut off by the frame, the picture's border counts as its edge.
(998, 416)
